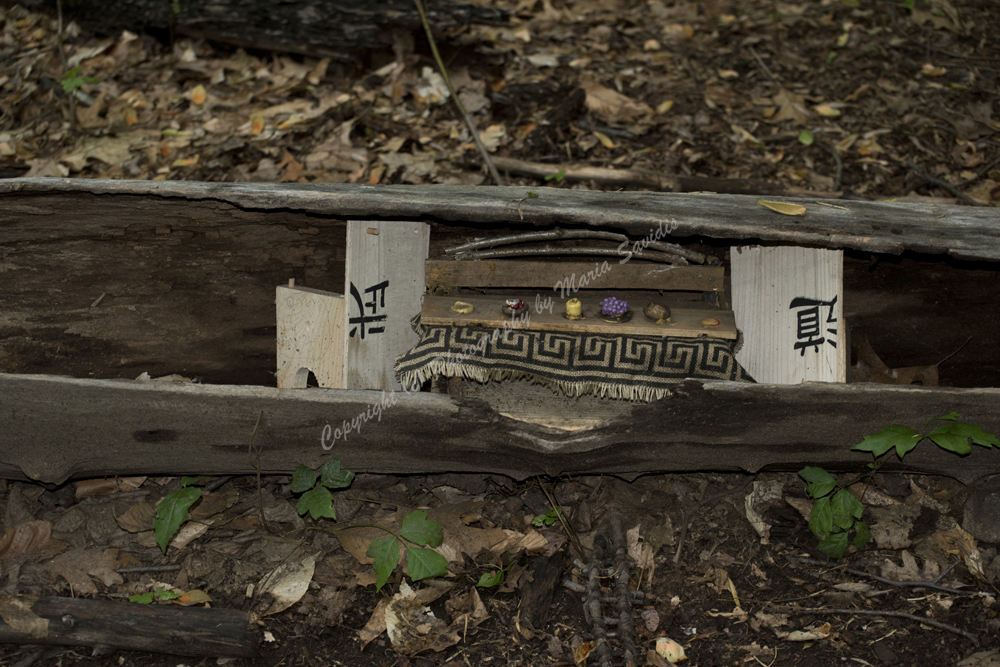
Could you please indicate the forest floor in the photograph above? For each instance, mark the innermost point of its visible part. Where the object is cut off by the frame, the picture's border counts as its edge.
(838, 99)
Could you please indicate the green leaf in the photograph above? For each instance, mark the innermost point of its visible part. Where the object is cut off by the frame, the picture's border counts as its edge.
(862, 535)
(845, 508)
(303, 479)
(318, 502)
(834, 546)
(490, 579)
(955, 437)
(819, 482)
(806, 138)
(821, 519)
(417, 528)
(951, 416)
(425, 563)
(71, 81)
(830, 57)
(902, 438)
(192, 481)
(332, 477)
(142, 598)
(171, 513)
(548, 518)
(385, 551)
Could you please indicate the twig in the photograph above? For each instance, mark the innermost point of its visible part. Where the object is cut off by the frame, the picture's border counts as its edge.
(979, 174)
(614, 177)
(549, 251)
(933, 585)
(559, 234)
(610, 131)
(148, 568)
(527, 237)
(454, 96)
(569, 531)
(59, 34)
(873, 612)
(760, 62)
(256, 464)
(836, 158)
(944, 185)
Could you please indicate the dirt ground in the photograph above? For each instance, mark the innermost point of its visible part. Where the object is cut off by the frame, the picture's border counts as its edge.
(843, 99)
(709, 580)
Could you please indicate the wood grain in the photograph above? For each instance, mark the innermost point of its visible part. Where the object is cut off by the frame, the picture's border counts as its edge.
(57, 428)
(565, 276)
(310, 337)
(687, 322)
(963, 232)
(383, 288)
(789, 304)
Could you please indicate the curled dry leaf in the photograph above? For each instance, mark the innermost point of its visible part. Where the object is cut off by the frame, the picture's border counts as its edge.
(611, 105)
(783, 207)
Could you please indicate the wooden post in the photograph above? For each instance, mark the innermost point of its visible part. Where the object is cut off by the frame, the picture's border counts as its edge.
(789, 304)
(310, 337)
(383, 292)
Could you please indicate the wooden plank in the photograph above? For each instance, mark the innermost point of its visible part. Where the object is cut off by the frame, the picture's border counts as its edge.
(789, 303)
(127, 626)
(568, 277)
(310, 337)
(964, 232)
(175, 428)
(687, 322)
(383, 288)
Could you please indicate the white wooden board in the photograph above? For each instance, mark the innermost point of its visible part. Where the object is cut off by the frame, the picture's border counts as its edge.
(789, 304)
(383, 290)
(310, 337)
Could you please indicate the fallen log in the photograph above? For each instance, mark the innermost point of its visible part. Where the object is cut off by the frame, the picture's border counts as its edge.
(336, 29)
(127, 626)
(961, 232)
(58, 428)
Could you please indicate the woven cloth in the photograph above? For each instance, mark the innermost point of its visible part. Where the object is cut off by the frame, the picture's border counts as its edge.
(637, 368)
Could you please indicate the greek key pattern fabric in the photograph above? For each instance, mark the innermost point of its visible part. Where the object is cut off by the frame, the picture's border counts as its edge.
(636, 368)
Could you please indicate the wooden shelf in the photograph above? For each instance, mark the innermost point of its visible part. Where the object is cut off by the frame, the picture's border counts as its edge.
(687, 322)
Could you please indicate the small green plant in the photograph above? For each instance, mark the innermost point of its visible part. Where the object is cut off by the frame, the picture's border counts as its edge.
(532, 195)
(72, 80)
(497, 575)
(557, 177)
(154, 596)
(416, 532)
(316, 498)
(173, 511)
(548, 518)
(837, 512)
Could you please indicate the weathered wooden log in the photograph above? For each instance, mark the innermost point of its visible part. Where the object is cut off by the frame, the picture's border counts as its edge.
(337, 29)
(56, 428)
(961, 232)
(187, 631)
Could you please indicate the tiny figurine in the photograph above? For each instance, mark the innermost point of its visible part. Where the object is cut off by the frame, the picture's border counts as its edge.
(657, 312)
(514, 307)
(615, 310)
(574, 310)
